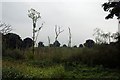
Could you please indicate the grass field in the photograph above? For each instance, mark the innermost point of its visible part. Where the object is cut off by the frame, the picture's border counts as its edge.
(59, 63)
(24, 69)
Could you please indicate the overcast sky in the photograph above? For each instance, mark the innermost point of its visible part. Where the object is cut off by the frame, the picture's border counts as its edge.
(82, 16)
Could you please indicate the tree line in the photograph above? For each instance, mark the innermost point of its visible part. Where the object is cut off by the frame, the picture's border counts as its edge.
(12, 40)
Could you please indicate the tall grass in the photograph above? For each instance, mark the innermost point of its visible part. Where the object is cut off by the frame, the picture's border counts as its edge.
(108, 56)
(105, 55)
(52, 62)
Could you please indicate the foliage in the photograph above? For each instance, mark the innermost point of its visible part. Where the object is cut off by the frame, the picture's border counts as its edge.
(64, 45)
(27, 43)
(12, 41)
(113, 8)
(56, 44)
(75, 46)
(81, 46)
(63, 62)
(92, 61)
(40, 44)
(89, 43)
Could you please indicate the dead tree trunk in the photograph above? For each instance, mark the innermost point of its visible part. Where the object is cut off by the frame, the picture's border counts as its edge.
(48, 41)
(34, 15)
(57, 32)
(69, 43)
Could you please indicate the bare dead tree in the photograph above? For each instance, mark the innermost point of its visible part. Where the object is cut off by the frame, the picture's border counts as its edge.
(57, 31)
(4, 28)
(97, 33)
(48, 41)
(34, 15)
(38, 31)
(102, 37)
(69, 43)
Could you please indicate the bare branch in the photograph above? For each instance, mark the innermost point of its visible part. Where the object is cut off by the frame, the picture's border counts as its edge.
(5, 28)
(57, 31)
(38, 31)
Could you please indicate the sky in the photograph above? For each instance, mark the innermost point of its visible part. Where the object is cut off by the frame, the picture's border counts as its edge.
(82, 16)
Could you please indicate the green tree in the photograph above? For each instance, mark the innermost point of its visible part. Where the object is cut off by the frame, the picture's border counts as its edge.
(113, 8)
(12, 41)
(27, 43)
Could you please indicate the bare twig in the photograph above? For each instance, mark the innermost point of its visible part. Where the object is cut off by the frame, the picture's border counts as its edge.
(5, 28)
(57, 31)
